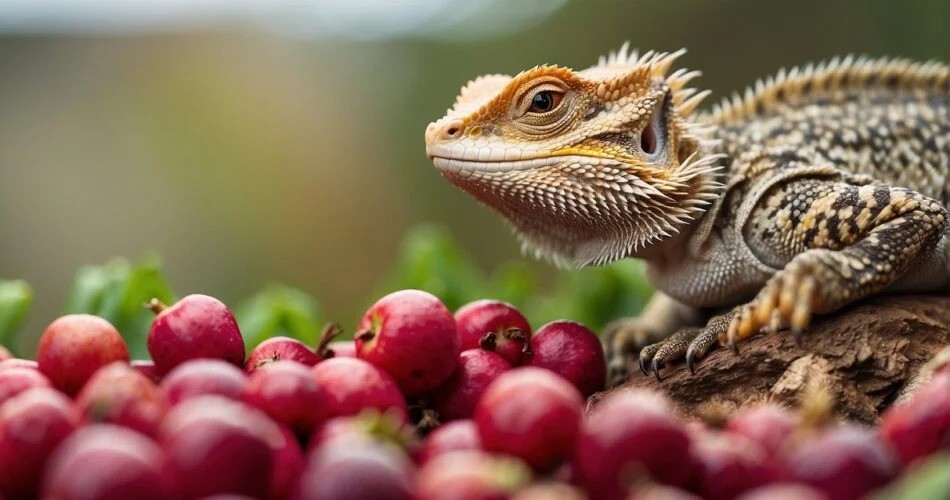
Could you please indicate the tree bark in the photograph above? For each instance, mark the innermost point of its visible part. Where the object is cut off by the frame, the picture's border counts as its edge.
(865, 355)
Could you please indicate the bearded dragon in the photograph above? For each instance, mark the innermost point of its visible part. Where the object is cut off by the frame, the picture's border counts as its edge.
(817, 187)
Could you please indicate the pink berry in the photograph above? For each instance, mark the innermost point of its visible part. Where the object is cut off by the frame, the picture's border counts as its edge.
(105, 461)
(343, 348)
(472, 475)
(202, 377)
(476, 369)
(459, 435)
(631, 430)
(119, 394)
(412, 336)
(280, 349)
(783, 491)
(653, 491)
(572, 351)
(493, 325)
(15, 380)
(19, 363)
(531, 414)
(74, 346)
(769, 425)
(350, 385)
(288, 463)
(356, 469)
(921, 425)
(729, 464)
(288, 392)
(197, 326)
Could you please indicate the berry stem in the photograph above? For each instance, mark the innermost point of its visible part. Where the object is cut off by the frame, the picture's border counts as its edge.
(156, 306)
(330, 331)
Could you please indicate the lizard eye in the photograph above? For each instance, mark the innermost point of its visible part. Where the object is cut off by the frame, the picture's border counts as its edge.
(545, 101)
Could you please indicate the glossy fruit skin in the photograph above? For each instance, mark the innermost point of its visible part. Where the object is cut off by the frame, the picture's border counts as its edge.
(769, 425)
(532, 414)
(457, 397)
(197, 326)
(412, 336)
(288, 463)
(74, 346)
(216, 445)
(147, 367)
(105, 461)
(472, 475)
(19, 363)
(17, 379)
(571, 350)
(631, 428)
(844, 462)
(343, 348)
(119, 394)
(350, 385)
(509, 327)
(920, 426)
(202, 377)
(783, 491)
(356, 468)
(729, 464)
(280, 349)
(288, 392)
(32, 424)
(450, 437)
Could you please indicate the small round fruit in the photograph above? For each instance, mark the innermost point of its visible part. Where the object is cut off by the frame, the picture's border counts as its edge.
(921, 425)
(459, 435)
(146, 367)
(729, 464)
(550, 490)
(15, 380)
(412, 336)
(783, 491)
(349, 386)
(203, 377)
(572, 351)
(473, 475)
(532, 414)
(74, 346)
(288, 463)
(280, 349)
(105, 461)
(119, 394)
(476, 370)
(355, 468)
(197, 326)
(769, 425)
(493, 325)
(19, 363)
(288, 392)
(343, 348)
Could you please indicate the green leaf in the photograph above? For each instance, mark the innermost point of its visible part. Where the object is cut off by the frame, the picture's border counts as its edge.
(15, 300)
(928, 481)
(279, 310)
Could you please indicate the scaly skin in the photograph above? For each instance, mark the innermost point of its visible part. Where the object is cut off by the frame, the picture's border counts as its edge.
(821, 186)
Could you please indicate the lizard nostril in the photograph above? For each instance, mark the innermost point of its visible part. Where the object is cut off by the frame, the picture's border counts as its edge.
(452, 130)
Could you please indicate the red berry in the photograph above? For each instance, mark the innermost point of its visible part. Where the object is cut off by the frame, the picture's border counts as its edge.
(216, 445)
(280, 349)
(729, 464)
(921, 425)
(288, 392)
(531, 414)
(147, 367)
(769, 425)
(119, 394)
(783, 491)
(460, 435)
(105, 461)
(343, 348)
(73, 347)
(572, 351)
(630, 435)
(845, 462)
(476, 369)
(551, 490)
(350, 385)
(19, 363)
(288, 463)
(15, 380)
(472, 475)
(202, 377)
(506, 328)
(356, 469)
(412, 336)
(31, 426)
(197, 326)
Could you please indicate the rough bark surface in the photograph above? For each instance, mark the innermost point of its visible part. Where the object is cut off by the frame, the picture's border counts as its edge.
(866, 355)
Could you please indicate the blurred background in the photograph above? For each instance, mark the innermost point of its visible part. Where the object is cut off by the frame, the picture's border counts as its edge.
(258, 141)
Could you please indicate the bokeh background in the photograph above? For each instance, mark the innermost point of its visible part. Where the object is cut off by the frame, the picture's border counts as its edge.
(261, 141)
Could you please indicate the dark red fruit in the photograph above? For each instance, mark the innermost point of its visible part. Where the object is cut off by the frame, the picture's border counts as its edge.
(460, 435)
(531, 414)
(19, 363)
(412, 336)
(147, 367)
(572, 351)
(844, 462)
(921, 425)
(729, 464)
(630, 435)
(349, 386)
(769, 425)
(476, 369)
(280, 349)
(202, 377)
(343, 348)
(73, 347)
(15, 380)
(197, 326)
(356, 469)
(216, 445)
(31, 426)
(105, 461)
(783, 491)
(495, 326)
(119, 394)
(288, 392)
(472, 475)
(288, 462)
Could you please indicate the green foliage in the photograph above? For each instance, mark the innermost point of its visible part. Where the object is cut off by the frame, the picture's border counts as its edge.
(15, 300)
(279, 310)
(118, 291)
(929, 481)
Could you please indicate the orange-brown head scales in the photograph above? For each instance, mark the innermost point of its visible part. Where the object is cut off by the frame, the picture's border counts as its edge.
(588, 166)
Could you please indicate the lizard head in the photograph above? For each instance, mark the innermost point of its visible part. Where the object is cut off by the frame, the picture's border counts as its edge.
(588, 166)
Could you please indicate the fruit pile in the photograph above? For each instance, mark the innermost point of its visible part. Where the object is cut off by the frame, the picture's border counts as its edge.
(422, 404)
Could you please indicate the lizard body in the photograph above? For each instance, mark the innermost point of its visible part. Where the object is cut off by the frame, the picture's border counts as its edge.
(816, 188)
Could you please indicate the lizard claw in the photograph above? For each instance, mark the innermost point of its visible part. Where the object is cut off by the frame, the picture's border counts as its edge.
(656, 369)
